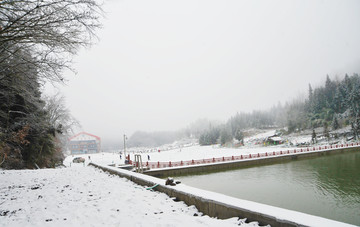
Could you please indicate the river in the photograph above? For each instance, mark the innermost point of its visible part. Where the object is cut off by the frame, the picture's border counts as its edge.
(328, 186)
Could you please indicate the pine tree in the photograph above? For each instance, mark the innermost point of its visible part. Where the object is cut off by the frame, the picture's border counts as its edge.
(335, 123)
(239, 136)
(338, 103)
(225, 136)
(310, 100)
(354, 130)
(326, 131)
(354, 97)
(347, 82)
(313, 137)
(330, 88)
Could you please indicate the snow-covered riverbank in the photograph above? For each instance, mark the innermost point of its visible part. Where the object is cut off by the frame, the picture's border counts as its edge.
(85, 196)
(81, 195)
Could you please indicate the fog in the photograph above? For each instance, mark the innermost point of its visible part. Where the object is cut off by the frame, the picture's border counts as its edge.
(160, 65)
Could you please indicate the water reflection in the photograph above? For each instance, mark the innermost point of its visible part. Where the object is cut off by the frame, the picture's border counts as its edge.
(338, 175)
(328, 186)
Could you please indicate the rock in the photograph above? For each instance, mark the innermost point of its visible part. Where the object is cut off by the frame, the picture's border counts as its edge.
(170, 181)
(4, 212)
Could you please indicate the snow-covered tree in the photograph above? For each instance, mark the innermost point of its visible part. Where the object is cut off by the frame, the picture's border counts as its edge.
(37, 40)
(326, 131)
(225, 136)
(335, 123)
(313, 137)
(50, 30)
(239, 135)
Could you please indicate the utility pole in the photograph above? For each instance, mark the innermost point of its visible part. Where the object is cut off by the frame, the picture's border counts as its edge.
(125, 138)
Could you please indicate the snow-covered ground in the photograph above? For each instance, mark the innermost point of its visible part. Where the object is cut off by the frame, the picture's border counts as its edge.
(181, 154)
(192, 153)
(196, 152)
(189, 152)
(86, 196)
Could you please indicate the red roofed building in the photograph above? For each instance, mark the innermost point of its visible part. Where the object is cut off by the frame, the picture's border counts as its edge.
(84, 143)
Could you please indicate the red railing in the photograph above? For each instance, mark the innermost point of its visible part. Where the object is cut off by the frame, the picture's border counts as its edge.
(155, 165)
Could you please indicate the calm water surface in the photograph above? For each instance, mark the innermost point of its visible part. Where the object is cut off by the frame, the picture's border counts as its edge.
(327, 186)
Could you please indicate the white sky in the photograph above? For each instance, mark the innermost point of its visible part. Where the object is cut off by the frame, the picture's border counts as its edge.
(160, 65)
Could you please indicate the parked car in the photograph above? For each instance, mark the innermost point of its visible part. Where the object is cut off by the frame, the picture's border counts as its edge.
(78, 160)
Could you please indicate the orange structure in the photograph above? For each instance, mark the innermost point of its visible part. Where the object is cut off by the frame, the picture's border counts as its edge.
(84, 143)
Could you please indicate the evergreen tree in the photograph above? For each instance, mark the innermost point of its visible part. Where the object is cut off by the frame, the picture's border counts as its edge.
(313, 137)
(330, 88)
(357, 127)
(354, 98)
(338, 103)
(310, 93)
(354, 130)
(225, 136)
(326, 131)
(239, 136)
(347, 82)
(209, 137)
(335, 123)
(310, 99)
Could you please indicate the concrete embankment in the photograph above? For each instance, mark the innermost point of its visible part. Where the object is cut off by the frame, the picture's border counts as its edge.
(222, 206)
(264, 160)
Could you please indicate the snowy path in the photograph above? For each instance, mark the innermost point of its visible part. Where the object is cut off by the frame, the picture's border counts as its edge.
(86, 196)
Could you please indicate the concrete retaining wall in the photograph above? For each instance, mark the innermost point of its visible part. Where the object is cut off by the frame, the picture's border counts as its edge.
(220, 166)
(222, 206)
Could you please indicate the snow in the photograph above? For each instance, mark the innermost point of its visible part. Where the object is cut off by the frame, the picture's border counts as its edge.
(280, 214)
(254, 145)
(276, 138)
(183, 154)
(86, 196)
(260, 136)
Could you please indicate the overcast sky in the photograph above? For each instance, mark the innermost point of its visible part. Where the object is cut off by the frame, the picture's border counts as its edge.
(160, 65)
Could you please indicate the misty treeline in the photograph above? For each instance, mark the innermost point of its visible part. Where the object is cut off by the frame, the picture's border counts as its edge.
(331, 106)
(154, 139)
(37, 40)
(334, 105)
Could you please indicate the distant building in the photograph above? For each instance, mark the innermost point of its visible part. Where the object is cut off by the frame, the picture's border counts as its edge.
(84, 143)
(273, 140)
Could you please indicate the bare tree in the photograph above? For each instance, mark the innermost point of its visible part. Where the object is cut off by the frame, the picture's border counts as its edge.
(60, 118)
(51, 31)
(38, 39)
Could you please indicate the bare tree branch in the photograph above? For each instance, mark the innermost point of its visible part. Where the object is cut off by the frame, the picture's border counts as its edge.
(51, 31)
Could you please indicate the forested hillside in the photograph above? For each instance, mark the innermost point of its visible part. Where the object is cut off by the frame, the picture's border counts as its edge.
(333, 105)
